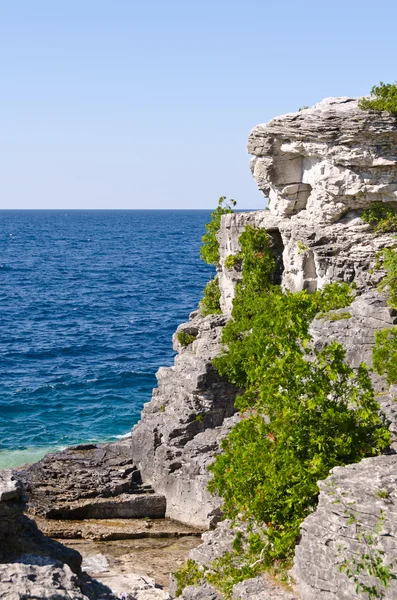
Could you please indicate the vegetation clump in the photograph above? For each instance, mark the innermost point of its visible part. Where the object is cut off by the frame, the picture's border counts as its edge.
(188, 574)
(233, 260)
(335, 295)
(383, 97)
(210, 303)
(381, 216)
(210, 247)
(273, 458)
(334, 316)
(387, 259)
(384, 354)
(185, 338)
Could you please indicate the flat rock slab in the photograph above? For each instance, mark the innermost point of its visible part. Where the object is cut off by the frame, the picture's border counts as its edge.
(124, 506)
(115, 529)
(113, 562)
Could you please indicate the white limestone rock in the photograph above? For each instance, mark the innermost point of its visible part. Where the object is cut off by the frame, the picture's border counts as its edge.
(326, 160)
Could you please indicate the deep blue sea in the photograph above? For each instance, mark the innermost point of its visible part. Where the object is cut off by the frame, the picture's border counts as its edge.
(88, 304)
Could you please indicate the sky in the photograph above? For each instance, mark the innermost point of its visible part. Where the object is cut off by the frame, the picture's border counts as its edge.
(131, 104)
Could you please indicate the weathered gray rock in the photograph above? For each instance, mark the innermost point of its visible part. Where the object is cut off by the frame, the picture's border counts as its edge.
(327, 160)
(351, 502)
(45, 580)
(201, 592)
(33, 565)
(11, 505)
(181, 428)
(49, 582)
(309, 254)
(261, 588)
(90, 481)
(320, 168)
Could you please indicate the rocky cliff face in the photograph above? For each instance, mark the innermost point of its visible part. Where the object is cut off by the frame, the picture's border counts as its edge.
(181, 428)
(320, 169)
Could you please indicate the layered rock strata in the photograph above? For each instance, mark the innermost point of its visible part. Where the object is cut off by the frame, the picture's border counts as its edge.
(92, 481)
(181, 428)
(356, 517)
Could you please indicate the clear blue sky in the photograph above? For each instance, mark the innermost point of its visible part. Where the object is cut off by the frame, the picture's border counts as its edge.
(134, 104)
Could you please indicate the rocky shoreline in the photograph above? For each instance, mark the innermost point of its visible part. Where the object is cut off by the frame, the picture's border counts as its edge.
(320, 168)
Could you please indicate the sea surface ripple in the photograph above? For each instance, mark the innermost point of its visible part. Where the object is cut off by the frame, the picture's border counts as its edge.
(88, 304)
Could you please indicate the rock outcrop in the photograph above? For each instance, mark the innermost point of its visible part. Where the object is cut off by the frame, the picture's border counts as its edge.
(356, 517)
(33, 565)
(320, 168)
(327, 161)
(91, 481)
(181, 428)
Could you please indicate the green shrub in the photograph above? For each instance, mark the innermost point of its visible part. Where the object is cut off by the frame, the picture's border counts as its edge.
(209, 251)
(301, 247)
(383, 97)
(210, 303)
(384, 354)
(335, 295)
(273, 458)
(188, 574)
(387, 259)
(185, 338)
(233, 260)
(381, 216)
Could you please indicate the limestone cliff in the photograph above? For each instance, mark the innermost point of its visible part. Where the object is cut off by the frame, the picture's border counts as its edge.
(321, 168)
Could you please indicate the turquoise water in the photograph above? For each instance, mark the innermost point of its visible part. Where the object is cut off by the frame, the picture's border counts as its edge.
(89, 301)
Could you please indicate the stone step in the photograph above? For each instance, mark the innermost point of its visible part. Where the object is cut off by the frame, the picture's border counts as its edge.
(114, 529)
(125, 506)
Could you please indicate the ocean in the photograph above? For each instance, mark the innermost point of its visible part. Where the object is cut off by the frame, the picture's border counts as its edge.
(88, 304)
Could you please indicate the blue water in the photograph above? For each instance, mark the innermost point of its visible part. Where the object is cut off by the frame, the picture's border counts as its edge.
(88, 304)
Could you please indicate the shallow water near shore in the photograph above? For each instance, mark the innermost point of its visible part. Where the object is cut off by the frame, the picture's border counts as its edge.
(89, 301)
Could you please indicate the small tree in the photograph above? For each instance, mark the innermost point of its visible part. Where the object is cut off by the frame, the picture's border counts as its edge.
(209, 251)
(383, 97)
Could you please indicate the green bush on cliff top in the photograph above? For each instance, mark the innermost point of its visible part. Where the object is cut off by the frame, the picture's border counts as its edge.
(383, 97)
(210, 247)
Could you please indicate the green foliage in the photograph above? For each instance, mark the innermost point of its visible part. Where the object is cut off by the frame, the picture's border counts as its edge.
(233, 260)
(185, 338)
(210, 303)
(381, 216)
(301, 247)
(210, 248)
(384, 354)
(383, 97)
(335, 295)
(371, 561)
(304, 107)
(382, 494)
(334, 316)
(273, 458)
(387, 259)
(188, 574)
(229, 569)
